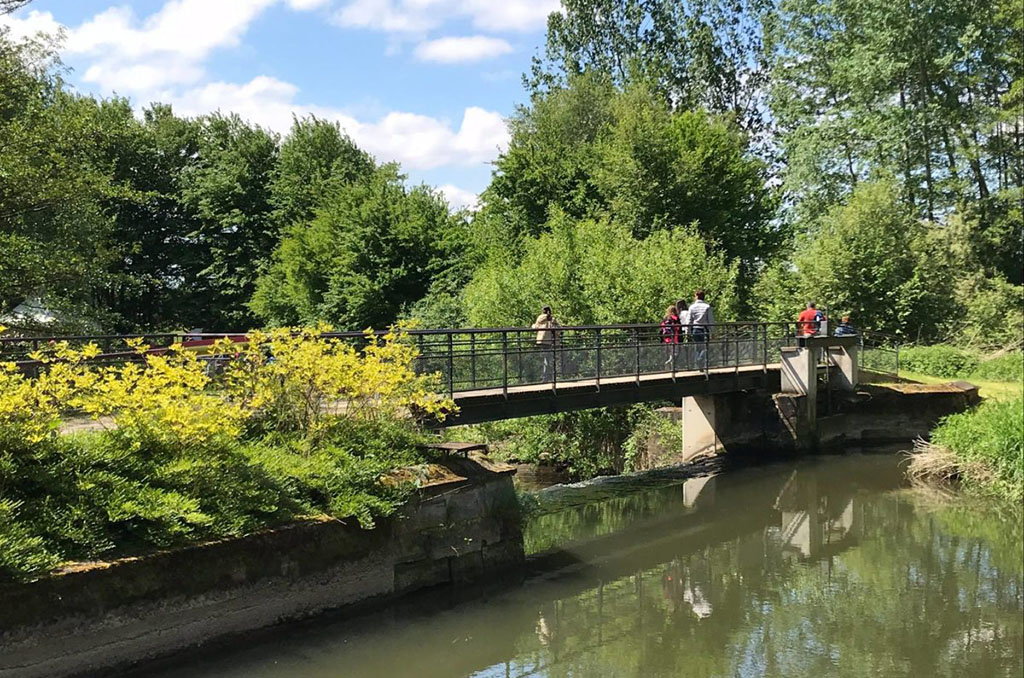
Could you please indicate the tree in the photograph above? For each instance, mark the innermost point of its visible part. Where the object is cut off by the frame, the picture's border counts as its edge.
(871, 258)
(155, 261)
(8, 6)
(589, 150)
(315, 157)
(373, 248)
(52, 225)
(229, 191)
(696, 53)
(856, 91)
(598, 272)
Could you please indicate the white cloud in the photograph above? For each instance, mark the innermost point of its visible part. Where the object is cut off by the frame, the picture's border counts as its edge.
(420, 16)
(459, 197)
(161, 57)
(303, 5)
(135, 55)
(458, 50)
(417, 141)
(34, 22)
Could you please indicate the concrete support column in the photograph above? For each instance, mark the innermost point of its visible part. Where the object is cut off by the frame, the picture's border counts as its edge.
(845, 358)
(800, 371)
(800, 377)
(699, 435)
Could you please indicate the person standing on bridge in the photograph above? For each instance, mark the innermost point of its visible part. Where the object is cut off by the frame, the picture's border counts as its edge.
(671, 329)
(700, 322)
(809, 322)
(547, 338)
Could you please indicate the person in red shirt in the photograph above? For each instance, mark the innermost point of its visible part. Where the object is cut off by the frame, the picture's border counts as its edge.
(809, 321)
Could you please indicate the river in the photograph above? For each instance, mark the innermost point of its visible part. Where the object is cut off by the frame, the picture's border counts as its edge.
(821, 567)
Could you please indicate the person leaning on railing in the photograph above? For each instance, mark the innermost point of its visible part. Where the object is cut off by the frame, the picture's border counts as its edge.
(846, 328)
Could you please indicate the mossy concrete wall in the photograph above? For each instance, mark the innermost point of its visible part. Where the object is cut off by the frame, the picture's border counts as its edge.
(463, 524)
(754, 422)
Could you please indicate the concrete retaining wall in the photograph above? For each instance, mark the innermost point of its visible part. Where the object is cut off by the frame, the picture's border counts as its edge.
(103, 616)
(754, 422)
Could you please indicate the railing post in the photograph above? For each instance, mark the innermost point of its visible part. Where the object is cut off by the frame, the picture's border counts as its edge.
(554, 362)
(472, 358)
(504, 362)
(764, 347)
(637, 339)
(598, 342)
(421, 360)
(707, 352)
(451, 365)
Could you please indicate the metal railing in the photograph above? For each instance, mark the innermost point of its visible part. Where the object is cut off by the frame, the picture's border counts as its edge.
(880, 353)
(509, 357)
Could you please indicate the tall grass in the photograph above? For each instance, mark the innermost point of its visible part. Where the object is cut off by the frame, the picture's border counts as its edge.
(982, 448)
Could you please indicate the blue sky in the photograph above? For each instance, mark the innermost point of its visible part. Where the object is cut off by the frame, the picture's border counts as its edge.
(425, 82)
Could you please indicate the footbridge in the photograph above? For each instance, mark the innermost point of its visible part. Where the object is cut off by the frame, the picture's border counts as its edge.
(509, 372)
(505, 373)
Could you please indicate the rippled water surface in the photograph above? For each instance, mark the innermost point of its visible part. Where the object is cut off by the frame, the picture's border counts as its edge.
(818, 568)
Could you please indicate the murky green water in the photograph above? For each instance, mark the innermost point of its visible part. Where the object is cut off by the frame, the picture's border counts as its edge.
(822, 568)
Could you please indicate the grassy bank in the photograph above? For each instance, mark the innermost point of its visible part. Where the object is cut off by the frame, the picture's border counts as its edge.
(982, 450)
(294, 425)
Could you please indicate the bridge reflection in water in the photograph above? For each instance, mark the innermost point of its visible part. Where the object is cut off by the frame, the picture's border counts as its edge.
(814, 568)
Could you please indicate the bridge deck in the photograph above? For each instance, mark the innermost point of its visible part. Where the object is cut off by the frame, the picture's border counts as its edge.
(492, 404)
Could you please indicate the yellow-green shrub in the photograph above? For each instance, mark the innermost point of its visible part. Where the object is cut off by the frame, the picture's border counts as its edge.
(195, 447)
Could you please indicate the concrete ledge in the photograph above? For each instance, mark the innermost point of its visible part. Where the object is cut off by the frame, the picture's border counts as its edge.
(97, 617)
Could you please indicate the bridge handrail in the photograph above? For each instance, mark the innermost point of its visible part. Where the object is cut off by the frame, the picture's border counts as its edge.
(45, 339)
(504, 357)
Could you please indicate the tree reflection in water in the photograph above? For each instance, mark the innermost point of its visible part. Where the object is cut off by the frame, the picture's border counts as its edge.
(818, 568)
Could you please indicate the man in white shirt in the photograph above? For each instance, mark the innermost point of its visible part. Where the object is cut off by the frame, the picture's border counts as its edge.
(701, 321)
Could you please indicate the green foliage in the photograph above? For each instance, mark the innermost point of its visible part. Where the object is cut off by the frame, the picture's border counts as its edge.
(588, 151)
(1008, 367)
(989, 444)
(229, 190)
(372, 249)
(194, 456)
(594, 272)
(652, 434)
(993, 313)
(940, 360)
(869, 258)
(315, 157)
(586, 443)
(955, 362)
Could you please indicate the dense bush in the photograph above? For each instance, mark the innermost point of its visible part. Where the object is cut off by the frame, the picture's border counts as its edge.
(293, 425)
(587, 443)
(943, 360)
(598, 272)
(1008, 367)
(940, 360)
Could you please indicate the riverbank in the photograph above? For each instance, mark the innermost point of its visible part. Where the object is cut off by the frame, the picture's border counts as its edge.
(196, 454)
(460, 525)
(982, 450)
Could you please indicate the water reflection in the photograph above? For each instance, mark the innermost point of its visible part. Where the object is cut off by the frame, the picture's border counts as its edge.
(820, 568)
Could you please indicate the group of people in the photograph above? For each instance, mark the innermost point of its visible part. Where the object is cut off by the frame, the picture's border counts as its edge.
(691, 323)
(694, 320)
(811, 322)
